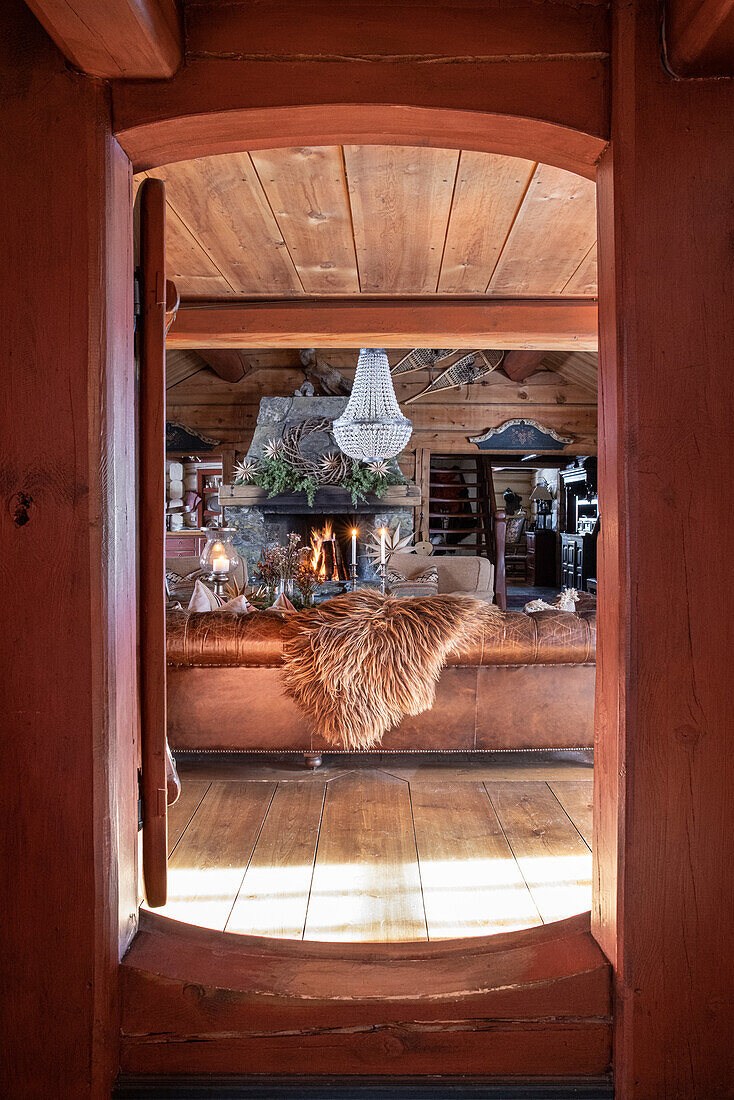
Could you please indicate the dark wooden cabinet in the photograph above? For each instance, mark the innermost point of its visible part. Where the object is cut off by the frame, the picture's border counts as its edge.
(578, 560)
(541, 558)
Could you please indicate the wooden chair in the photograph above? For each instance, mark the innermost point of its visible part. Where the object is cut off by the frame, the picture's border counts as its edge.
(516, 551)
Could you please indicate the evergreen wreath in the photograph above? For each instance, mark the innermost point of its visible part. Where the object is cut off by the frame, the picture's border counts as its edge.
(285, 469)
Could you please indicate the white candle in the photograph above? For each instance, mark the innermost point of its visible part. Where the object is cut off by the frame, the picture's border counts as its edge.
(382, 546)
(354, 546)
(220, 564)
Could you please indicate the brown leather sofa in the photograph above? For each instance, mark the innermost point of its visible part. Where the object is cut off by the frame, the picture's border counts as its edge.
(528, 685)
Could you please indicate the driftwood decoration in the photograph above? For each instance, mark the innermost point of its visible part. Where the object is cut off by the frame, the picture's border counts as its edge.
(326, 379)
(331, 469)
(420, 358)
(464, 372)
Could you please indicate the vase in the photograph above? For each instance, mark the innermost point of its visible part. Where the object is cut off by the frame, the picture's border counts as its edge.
(285, 587)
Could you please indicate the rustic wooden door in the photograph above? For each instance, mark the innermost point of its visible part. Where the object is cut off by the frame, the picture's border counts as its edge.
(150, 227)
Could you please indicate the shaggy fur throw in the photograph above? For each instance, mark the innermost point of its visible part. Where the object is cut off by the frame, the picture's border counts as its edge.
(357, 664)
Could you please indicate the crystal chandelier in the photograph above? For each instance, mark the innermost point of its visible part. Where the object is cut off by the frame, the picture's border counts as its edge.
(372, 425)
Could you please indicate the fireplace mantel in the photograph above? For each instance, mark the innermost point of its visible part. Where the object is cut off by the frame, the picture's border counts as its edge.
(328, 500)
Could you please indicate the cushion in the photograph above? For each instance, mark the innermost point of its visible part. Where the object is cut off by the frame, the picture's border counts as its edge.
(513, 530)
(203, 599)
(424, 583)
(457, 574)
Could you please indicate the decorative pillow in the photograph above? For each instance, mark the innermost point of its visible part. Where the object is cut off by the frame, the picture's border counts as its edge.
(204, 599)
(513, 530)
(421, 584)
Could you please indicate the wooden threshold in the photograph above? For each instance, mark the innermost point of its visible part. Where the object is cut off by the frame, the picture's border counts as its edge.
(365, 1088)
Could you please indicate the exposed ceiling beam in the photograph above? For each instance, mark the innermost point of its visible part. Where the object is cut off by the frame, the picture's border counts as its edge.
(552, 324)
(519, 365)
(699, 37)
(229, 363)
(126, 39)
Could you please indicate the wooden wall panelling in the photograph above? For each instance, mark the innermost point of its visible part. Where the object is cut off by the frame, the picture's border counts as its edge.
(543, 387)
(354, 30)
(67, 452)
(579, 368)
(394, 191)
(488, 193)
(579, 420)
(181, 365)
(221, 202)
(307, 192)
(552, 234)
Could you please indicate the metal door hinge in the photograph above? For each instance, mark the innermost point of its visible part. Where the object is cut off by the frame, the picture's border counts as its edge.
(140, 800)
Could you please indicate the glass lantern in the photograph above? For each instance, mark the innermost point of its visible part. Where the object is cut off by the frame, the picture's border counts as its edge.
(219, 559)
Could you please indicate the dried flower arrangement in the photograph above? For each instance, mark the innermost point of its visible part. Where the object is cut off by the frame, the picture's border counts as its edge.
(279, 563)
(307, 578)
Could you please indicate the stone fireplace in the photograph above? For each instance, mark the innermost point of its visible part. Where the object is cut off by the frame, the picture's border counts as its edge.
(261, 522)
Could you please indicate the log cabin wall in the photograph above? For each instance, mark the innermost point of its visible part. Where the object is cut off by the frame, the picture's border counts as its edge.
(227, 411)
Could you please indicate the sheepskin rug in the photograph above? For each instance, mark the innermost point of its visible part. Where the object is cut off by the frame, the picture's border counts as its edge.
(358, 663)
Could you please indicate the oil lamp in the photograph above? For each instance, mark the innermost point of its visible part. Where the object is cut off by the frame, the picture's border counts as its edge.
(219, 558)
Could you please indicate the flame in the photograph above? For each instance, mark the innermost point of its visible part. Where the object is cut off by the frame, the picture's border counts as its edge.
(318, 559)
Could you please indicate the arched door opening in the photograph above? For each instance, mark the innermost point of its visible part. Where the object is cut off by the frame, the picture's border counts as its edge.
(272, 814)
(435, 842)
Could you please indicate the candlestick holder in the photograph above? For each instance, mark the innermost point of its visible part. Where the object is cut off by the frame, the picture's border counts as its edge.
(353, 576)
(219, 582)
(382, 572)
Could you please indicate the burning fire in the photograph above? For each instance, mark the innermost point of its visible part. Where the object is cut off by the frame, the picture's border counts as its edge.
(325, 553)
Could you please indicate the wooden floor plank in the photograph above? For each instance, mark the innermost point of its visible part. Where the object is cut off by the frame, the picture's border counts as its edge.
(274, 895)
(258, 767)
(577, 799)
(478, 767)
(184, 808)
(366, 883)
(458, 766)
(208, 865)
(472, 885)
(554, 859)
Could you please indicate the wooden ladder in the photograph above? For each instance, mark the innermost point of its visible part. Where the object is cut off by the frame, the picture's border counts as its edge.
(494, 523)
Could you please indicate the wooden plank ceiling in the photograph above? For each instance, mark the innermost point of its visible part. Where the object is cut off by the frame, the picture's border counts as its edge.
(378, 220)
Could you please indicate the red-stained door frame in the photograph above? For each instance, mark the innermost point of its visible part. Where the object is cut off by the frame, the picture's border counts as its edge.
(154, 979)
(666, 283)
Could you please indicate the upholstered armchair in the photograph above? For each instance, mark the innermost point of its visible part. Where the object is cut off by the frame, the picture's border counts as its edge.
(457, 575)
